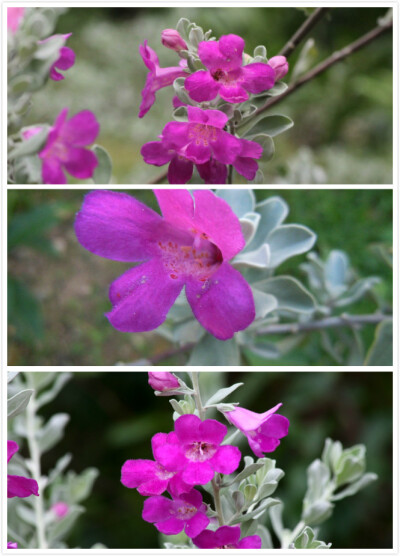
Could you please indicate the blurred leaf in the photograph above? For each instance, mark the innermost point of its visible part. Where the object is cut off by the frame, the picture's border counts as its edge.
(380, 354)
(210, 351)
(18, 403)
(24, 312)
(305, 59)
(103, 171)
(289, 240)
(264, 123)
(11, 375)
(61, 528)
(223, 393)
(307, 539)
(30, 146)
(49, 395)
(267, 144)
(52, 431)
(28, 228)
(273, 212)
(80, 486)
(241, 201)
(290, 294)
(353, 488)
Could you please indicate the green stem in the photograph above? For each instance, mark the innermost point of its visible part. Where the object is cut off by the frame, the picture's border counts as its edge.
(36, 468)
(202, 415)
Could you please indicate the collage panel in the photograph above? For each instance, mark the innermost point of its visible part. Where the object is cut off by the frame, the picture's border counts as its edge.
(200, 278)
(278, 460)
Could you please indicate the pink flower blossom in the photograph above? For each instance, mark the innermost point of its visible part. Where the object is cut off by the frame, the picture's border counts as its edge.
(14, 17)
(170, 38)
(225, 74)
(201, 141)
(157, 78)
(150, 477)
(17, 485)
(64, 149)
(226, 537)
(263, 430)
(189, 246)
(199, 453)
(280, 66)
(12, 545)
(187, 512)
(163, 381)
(60, 509)
(65, 61)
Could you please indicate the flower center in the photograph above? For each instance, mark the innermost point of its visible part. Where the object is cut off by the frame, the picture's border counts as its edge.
(202, 134)
(199, 260)
(219, 75)
(162, 473)
(200, 451)
(185, 511)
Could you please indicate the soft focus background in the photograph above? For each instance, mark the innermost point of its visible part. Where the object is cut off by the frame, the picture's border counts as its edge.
(58, 291)
(114, 415)
(343, 119)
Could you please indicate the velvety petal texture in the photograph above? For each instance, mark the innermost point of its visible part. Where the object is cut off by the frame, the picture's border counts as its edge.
(226, 537)
(64, 148)
(18, 486)
(263, 430)
(189, 245)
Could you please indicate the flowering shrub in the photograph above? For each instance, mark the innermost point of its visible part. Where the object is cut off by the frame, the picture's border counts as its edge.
(198, 454)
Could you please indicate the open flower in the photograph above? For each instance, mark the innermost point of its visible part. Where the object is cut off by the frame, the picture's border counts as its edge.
(65, 60)
(226, 74)
(263, 430)
(187, 512)
(203, 142)
(189, 246)
(199, 453)
(17, 485)
(226, 537)
(163, 381)
(150, 477)
(157, 78)
(64, 149)
(14, 17)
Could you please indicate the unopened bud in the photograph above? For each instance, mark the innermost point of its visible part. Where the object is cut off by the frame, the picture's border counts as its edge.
(172, 39)
(280, 66)
(163, 381)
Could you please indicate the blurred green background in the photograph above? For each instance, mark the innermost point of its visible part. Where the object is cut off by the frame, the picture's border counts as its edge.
(114, 415)
(58, 291)
(343, 119)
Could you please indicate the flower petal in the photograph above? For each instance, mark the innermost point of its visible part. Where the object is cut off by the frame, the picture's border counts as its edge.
(171, 526)
(212, 431)
(227, 535)
(136, 471)
(180, 170)
(12, 448)
(176, 205)
(117, 226)
(156, 508)
(226, 147)
(206, 539)
(52, 172)
(81, 130)
(277, 426)
(211, 55)
(153, 486)
(233, 92)
(142, 297)
(81, 163)
(213, 172)
(253, 541)
(215, 217)
(187, 428)
(198, 473)
(196, 525)
(149, 56)
(258, 77)
(223, 305)
(156, 153)
(201, 86)
(176, 135)
(21, 487)
(198, 152)
(226, 460)
(231, 46)
(246, 167)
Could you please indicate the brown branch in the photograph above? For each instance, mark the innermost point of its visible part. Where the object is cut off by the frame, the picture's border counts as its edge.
(302, 31)
(327, 63)
(355, 321)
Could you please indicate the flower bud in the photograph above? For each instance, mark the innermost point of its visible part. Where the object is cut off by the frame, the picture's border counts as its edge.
(280, 66)
(163, 381)
(172, 39)
(60, 509)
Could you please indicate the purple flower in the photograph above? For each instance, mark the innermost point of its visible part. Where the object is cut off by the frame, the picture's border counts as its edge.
(12, 545)
(280, 66)
(64, 148)
(201, 141)
(226, 537)
(226, 74)
(187, 512)
(60, 509)
(150, 477)
(189, 246)
(163, 381)
(263, 430)
(14, 17)
(170, 38)
(157, 78)
(65, 61)
(16, 485)
(199, 453)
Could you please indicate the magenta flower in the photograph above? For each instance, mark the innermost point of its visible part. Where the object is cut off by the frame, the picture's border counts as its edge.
(157, 78)
(226, 537)
(12, 545)
(14, 17)
(170, 38)
(64, 149)
(163, 381)
(199, 453)
(189, 246)
(226, 74)
(187, 512)
(280, 66)
(150, 477)
(17, 485)
(60, 509)
(65, 61)
(201, 141)
(263, 430)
